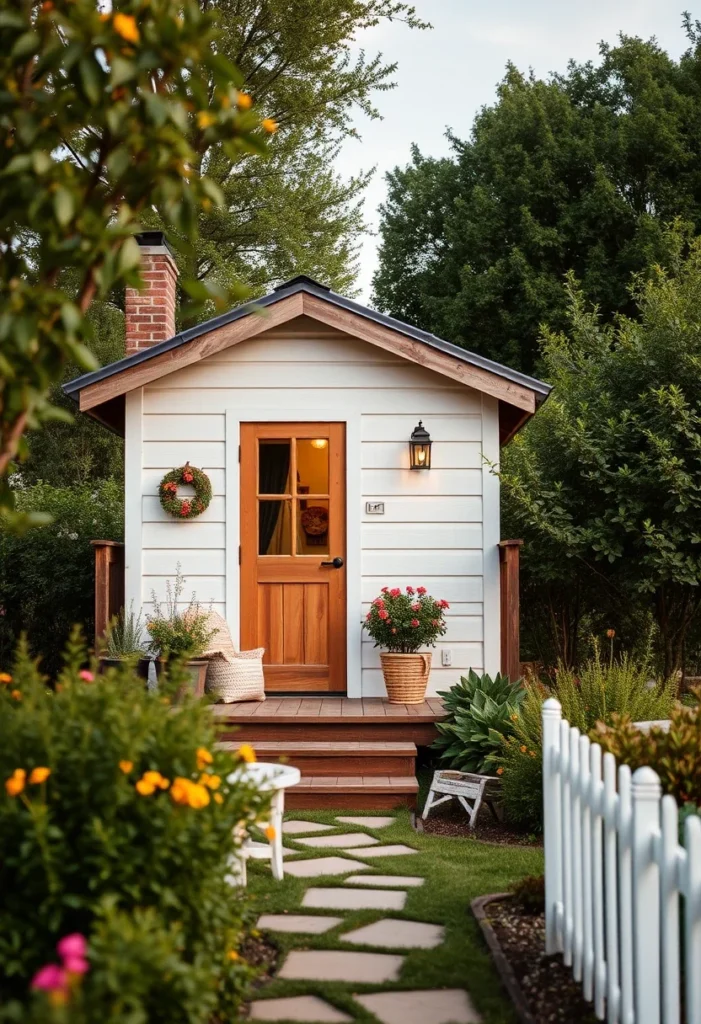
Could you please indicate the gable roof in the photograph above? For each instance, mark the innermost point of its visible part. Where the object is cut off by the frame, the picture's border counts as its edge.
(101, 393)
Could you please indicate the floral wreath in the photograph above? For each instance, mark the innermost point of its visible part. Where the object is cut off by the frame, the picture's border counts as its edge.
(185, 508)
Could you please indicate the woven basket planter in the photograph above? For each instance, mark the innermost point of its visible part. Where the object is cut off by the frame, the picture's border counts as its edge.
(406, 677)
(238, 679)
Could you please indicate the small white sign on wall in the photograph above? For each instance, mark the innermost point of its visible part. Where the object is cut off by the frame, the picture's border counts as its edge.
(375, 508)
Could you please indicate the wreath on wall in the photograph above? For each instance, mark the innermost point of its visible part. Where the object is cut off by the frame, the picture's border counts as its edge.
(185, 508)
(315, 523)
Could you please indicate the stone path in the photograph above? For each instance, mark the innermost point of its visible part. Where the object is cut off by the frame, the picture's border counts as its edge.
(352, 967)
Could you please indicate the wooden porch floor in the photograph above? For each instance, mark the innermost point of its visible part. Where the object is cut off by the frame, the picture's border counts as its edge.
(317, 710)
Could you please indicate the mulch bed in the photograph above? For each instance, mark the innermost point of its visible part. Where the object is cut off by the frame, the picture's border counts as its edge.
(259, 952)
(451, 820)
(552, 996)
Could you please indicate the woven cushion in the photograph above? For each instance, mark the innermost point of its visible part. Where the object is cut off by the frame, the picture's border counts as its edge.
(237, 679)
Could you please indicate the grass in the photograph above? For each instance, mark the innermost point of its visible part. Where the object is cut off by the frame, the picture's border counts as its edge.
(456, 871)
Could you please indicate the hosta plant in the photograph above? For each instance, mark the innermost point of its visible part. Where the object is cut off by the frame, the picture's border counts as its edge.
(482, 712)
(402, 621)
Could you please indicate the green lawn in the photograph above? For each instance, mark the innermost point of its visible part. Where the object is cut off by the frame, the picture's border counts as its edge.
(456, 870)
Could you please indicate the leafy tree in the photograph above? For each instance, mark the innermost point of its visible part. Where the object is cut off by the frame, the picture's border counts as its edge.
(577, 172)
(102, 115)
(608, 475)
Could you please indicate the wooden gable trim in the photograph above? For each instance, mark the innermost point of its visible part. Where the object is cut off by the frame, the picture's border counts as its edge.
(510, 422)
(420, 353)
(324, 312)
(192, 352)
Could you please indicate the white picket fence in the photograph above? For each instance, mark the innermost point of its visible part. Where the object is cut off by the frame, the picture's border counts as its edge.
(615, 876)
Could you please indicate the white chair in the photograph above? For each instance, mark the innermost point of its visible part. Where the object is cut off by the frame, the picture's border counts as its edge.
(266, 776)
(468, 789)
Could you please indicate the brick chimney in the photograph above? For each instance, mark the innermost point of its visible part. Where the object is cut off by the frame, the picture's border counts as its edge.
(150, 313)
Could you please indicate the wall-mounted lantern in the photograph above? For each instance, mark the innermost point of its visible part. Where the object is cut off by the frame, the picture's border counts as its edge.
(420, 448)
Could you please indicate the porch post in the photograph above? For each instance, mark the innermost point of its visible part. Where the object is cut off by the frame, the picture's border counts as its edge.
(510, 611)
(109, 583)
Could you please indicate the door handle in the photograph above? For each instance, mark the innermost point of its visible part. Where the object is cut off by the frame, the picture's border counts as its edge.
(337, 563)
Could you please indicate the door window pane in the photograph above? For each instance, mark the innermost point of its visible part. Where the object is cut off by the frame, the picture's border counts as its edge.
(273, 467)
(313, 527)
(274, 527)
(313, 466)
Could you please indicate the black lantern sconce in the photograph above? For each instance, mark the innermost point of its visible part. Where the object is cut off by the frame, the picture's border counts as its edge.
(420, 448)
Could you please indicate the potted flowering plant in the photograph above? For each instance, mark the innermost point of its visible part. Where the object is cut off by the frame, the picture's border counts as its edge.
(402, 622)
(181, 634)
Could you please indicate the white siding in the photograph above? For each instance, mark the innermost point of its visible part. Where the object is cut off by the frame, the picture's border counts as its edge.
(434, 523)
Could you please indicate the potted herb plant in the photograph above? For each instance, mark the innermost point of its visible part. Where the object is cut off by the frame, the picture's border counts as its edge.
(124, 642)
(402, 622)
(184, 634)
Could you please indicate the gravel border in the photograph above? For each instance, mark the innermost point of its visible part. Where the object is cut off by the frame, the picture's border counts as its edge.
(504, 969)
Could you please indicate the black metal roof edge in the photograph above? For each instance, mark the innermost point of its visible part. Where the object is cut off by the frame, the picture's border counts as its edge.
(292, 287)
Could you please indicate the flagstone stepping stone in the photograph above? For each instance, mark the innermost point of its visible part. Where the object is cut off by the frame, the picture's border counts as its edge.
(396, 850)
(393, 934)
(368, 822)
(307, 924)
(354, 899)
(321, 866)
(400, 881)
(306, 1009)
(349, 840)
(429, 1006)
(339, 965)
(294, 828)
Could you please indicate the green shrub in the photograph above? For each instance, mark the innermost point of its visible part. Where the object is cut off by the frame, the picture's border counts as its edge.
(481, 713)
(520, 765)
(529, 894)
(125, 840)
(47, 575)
(675, 754)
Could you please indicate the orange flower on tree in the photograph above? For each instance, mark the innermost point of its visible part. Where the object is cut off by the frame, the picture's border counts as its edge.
(16, 695)
(15, 784)
(39, 775)
(269, 125)
(244, 101)
(126, 27)
(205, 119)
(5, 677)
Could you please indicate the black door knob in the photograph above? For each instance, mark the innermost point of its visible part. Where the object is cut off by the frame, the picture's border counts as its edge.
(337, 563)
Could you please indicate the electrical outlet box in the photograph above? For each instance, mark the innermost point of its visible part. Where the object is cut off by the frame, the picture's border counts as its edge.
(446, 658)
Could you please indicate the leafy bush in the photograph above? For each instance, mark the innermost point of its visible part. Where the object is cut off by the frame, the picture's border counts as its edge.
(47, 575)
(175, 633)
(529, 894)
(116, 819)
(520, 764)
(402, 623)
(481, 713)
(675, 754)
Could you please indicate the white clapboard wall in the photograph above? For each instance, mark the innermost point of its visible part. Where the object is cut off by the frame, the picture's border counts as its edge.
(440, 528)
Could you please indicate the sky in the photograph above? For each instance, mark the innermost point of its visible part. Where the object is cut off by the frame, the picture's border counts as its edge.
(447, 74)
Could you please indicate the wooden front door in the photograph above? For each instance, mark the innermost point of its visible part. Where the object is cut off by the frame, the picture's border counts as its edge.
(293, 550)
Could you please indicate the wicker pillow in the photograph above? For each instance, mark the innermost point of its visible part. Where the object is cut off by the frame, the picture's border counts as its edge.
(238, 678)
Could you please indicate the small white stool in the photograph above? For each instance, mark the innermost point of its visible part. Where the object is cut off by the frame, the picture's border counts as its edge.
(266, 776)
(469, 789)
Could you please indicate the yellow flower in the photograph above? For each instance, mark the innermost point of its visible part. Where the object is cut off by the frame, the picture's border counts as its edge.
(247, 753)
(514, 718)
(179, 789)
(211, 781)
(156, 779)
(126, 766)
(15, 784)
(524, 748)
(145, 788)
(270, 833)
(205, 119)
(5, 677)
(190, 794)
(203, 758)
(16, 694)
(610, 633)
(500, 771)
(39, 775)
(198, 796)
(269, 125)
(126, 27)
(219, 798)
(233, 955)
(244, 101)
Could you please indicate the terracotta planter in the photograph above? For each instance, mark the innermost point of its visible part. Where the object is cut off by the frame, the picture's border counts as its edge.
(198, 675)
(406, 677)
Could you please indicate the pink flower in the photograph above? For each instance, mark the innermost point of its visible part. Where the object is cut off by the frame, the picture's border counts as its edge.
(410, 590)
(395, 592)
(379, 602)
(50, 978)
(76, 965)
(443, 604)
(421, 590)
(383, 613)
(86, 676)
(72, 946)
(414, 623)
(368, 616)
(384, 590)
(416, 607)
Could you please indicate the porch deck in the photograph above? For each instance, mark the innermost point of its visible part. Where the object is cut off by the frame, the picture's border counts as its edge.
(356, 753)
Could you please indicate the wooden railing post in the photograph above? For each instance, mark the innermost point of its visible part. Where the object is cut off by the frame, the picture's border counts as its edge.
(509, 551)
(109, 583)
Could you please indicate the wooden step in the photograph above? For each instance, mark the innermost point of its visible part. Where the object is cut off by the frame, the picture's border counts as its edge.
(353, 792)
(316, 758)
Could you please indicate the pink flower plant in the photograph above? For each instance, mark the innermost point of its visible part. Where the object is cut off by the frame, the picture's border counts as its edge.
(55, 979)
(86, 676)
